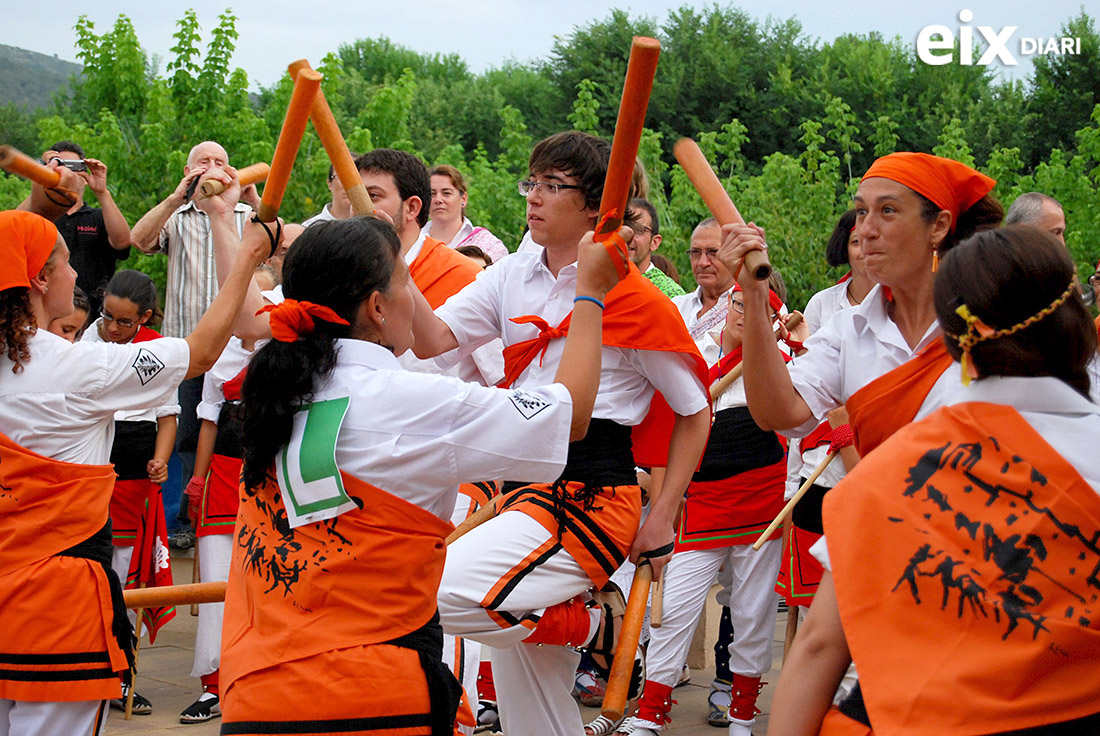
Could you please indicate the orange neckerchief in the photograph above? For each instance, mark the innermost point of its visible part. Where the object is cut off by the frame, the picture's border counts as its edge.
(637, 317)
(440, 272)
(892, 400)
(965, 559)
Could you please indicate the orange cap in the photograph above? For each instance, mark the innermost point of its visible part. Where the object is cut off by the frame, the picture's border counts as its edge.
(948, 184)
(26, 241)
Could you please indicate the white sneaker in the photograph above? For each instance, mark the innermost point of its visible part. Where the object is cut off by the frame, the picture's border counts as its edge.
(741, 728)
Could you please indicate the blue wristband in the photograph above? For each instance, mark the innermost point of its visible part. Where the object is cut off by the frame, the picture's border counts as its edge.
(592, 299)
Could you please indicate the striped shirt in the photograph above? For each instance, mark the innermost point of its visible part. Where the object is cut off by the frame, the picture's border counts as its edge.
(192, 277)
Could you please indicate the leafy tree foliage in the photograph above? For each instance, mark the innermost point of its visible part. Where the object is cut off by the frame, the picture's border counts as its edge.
(788, 122)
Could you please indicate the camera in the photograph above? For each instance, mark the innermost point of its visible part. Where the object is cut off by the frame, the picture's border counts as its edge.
(71, 164)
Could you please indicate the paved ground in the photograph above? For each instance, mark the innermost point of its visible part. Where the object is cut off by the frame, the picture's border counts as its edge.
(166, 666)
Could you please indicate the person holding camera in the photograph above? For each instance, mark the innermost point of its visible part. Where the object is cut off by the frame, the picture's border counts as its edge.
(98, 238)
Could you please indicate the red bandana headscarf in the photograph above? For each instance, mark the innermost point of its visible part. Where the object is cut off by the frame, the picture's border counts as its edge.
(948, 184)
(26, 241)
(292, 319)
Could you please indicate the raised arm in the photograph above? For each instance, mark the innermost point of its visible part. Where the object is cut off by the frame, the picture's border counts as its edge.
(773, 401)
(146, 233)
(216, 326)
(118, 230)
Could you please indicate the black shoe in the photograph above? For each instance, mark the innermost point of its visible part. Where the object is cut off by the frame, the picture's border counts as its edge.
(207, 707)
(141, 706)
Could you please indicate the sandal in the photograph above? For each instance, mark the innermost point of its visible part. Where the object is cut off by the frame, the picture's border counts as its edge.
(604, 726)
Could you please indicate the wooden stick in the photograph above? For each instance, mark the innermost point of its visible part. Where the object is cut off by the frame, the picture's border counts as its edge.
(129, 711)
(306, 86)
(196, 576)
(618, 682)
(16, 162)
(640, 71)
(248, 175)
(657, 601)
(792, 610)
(720, 386)
(174, 595)
(478, 518)
(716, 198)
(794, 500)
(336, 147)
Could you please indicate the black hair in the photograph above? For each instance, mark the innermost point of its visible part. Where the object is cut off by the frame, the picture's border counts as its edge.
(1003, 277)
(580, 155)
(640, 203)
(985, 214)
(408, 172)
(67, 147)
(81, 302)
(138, 288)
(836, 249)
(474, 252)
(340, 263)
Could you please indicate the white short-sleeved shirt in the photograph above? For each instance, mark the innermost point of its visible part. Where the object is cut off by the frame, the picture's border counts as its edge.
(63, 403)
(145, 414)
(325, 215)
(419, 436)
(522, 284)
(229, 364)
(1068, 422)
(852, 349)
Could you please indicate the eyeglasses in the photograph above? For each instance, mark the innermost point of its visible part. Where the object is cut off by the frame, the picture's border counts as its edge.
(638, 227)
(695, 253)
(739, 307)
(551, 187)
(123, 323)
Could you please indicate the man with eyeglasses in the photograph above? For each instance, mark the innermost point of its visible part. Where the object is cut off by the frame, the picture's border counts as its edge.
(518, 582)
(98, 238)
(704, 310)
(642, 219)
(340, 206)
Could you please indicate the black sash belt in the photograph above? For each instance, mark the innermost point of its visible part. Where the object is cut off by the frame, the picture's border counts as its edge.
(444, 691)
(98, 548)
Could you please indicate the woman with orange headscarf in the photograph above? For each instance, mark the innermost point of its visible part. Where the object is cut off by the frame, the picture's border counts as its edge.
(911, 208)
(67, 638)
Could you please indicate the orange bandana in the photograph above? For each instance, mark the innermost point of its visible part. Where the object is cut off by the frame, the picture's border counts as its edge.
(292, 319)
(950, 185)
(26, 241)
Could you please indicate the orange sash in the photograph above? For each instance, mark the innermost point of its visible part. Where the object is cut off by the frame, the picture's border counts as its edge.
(892, 400)
(440, 272)
(365, 577)
(55, 612)
(965, 561)
(637, 317)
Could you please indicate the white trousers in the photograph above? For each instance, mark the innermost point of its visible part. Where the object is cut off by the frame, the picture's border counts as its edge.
(215, 554)
(498, 577)
(688, 578)
(24, 718)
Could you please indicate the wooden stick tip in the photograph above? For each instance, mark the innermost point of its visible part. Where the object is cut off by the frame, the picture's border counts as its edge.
(296, 66)
(645, 42)
(309, 75)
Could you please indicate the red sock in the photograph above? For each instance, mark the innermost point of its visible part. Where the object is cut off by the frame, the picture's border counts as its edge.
(210, 683)
(565, 624)
(743, 694)
(486, 690)
(656, 702)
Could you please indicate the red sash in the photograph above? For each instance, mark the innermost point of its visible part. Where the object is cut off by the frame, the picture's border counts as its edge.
(965, 557)
(218, 512)
(55, 612)
(151, 565)
(440, 272)
(732, 511)
(637, 317)
(365, 577)
(799, 572)
(892, 400)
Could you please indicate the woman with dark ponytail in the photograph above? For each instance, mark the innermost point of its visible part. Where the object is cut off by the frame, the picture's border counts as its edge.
(351, 468)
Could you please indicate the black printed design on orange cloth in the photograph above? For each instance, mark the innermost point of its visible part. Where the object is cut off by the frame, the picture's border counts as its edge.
(596, 531)
(365, 577)
(992, 563)
(637, 316)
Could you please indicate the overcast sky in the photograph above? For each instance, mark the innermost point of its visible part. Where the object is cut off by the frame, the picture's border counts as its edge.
(485, 32)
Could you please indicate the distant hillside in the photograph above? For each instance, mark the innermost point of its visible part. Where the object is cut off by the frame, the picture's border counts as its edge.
(29, 78)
